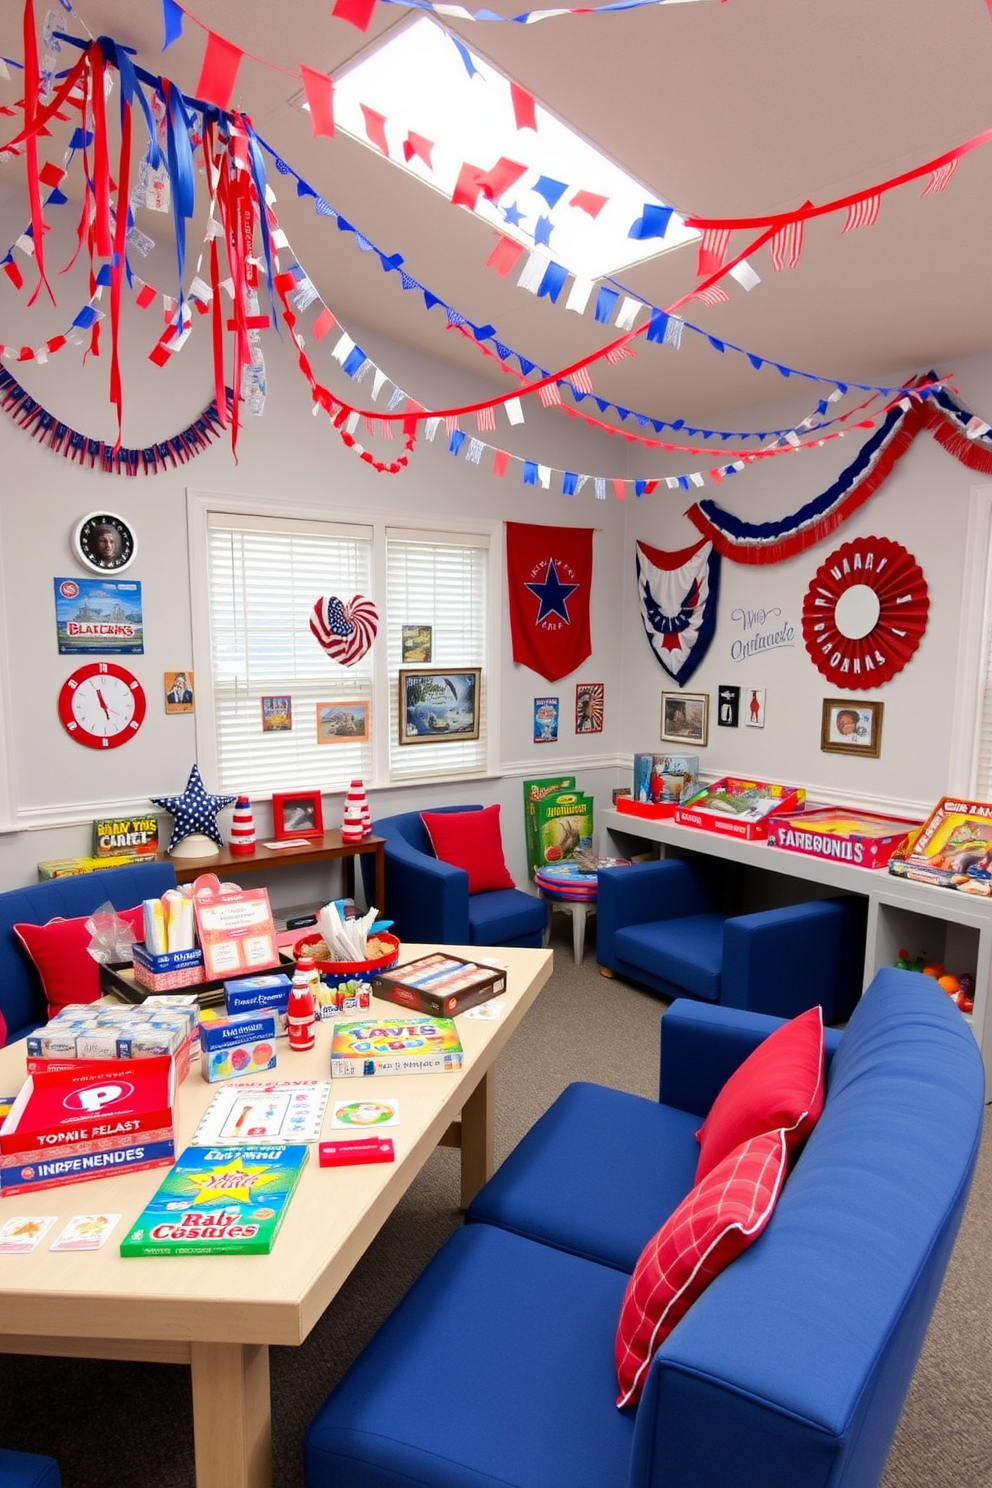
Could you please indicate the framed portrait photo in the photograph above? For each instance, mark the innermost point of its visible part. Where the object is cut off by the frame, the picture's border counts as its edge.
(848, 727)
(297, 814)
(438, 706)
(103, 542)
(343, 723)
(685, 717)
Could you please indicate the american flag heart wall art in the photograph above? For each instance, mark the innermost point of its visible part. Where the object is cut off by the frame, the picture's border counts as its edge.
(345, 631)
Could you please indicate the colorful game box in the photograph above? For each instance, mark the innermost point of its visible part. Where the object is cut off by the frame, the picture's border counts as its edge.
(439, 984)
(739, 808)
(862, 838)
(135, 836)
(219, 1201)
(242, 1045)
(87, 1119)
(952, 849)
(98, 1031)
(395, 1046)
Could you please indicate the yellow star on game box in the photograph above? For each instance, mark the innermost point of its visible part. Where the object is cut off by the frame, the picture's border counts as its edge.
(231, 1181)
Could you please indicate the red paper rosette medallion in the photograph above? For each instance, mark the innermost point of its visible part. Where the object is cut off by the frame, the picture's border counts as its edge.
(865, 613)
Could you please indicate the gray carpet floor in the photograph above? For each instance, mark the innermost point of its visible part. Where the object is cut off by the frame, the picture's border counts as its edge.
(128, 1425)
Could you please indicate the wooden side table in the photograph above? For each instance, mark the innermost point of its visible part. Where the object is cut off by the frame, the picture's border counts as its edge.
(264, 859)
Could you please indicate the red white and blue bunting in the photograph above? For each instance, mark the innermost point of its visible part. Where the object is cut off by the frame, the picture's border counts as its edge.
(964, 435)
(677, 594)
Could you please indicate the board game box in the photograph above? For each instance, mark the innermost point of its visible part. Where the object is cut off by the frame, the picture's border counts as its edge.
(219, 1201)
(952, 849)
(85, 1119)
(739, 808)
(439, 984)
(863, 838)
(395, 1046)
(660, 778)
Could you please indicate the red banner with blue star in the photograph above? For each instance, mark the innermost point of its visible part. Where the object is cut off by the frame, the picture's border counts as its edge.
(549, 575)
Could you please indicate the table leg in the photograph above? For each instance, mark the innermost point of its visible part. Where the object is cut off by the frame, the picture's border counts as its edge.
(578, 932)
(478, 1144)
(232, 1415)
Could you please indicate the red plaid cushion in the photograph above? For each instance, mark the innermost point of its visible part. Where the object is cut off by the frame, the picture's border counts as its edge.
(715, 1222)
(779, 1086)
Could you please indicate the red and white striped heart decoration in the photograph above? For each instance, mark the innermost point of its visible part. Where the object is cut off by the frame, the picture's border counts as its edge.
(346, 631)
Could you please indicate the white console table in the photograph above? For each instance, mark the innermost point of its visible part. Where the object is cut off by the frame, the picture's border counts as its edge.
(945, 925)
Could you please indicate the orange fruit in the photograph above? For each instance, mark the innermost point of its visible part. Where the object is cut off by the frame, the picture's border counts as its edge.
(934, 969)
(949, 984)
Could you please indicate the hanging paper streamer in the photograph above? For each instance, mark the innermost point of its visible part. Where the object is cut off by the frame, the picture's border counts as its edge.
(677, 594)
(345, 631)
(771, 542)
(896, 579)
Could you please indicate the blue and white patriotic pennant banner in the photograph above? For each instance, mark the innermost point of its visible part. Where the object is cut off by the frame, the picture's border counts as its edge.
(677, 596)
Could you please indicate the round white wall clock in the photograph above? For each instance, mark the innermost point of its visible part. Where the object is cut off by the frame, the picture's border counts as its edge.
(102, 705)
(104, 542)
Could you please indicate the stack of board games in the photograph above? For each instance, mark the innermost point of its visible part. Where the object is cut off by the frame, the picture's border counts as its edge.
(98, 1031)
(952, 849)
(395, 1046)
(219, 1200)
(739, 808)
(440, 984)
(862, 838)
(661, 782)
(85, 1119)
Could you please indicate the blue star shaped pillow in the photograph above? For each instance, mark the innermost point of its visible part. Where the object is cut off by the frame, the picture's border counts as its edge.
(194, 811)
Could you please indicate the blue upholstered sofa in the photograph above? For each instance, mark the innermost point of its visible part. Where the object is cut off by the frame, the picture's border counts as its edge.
(22, 1002)
(25, 1470)
(429, 900)
(790, 1371)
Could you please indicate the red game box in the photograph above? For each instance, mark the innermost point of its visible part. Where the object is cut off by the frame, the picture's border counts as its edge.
(862, 838)
(734, 807)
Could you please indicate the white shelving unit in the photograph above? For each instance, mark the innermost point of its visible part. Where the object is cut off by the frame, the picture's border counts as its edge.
(940, 923)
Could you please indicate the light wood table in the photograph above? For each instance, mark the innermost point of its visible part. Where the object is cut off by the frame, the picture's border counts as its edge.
(220, 1314)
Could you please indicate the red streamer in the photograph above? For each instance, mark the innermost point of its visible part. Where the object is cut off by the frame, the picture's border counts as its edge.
(319, 91)
(219, 73)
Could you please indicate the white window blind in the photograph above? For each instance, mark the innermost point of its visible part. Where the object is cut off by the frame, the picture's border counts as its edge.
(264, 576)
(441, 582)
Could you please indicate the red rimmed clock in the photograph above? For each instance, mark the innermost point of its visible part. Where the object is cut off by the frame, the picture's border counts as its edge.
(865, 613)
(102, 705)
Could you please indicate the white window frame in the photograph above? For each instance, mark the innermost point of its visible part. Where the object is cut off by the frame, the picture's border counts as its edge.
(199, 507)
(973, 673)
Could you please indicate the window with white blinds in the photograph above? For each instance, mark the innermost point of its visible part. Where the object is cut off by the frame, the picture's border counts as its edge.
(441, 582)
(264, 576)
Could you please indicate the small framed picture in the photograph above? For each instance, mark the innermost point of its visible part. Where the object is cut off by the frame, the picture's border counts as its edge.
(754, 707)
(179, 692)
(343, 723)
(417, 644)
(546, 720)
(589, 707)
(439, 706)
(851, 727)
(277, 714)
(103, 542)
(685, 717)
(728, 707)
(297, 814)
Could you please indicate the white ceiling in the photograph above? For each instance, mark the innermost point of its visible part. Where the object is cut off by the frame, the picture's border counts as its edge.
(742, 108)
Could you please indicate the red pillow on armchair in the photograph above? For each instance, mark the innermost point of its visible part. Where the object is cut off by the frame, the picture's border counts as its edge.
(471, 840)
(60, 952)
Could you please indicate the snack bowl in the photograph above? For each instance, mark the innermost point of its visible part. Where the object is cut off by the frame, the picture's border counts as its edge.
(346, 986)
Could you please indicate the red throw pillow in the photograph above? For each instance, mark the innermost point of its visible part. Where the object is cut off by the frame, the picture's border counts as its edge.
(779, 1086)
(60, 952)
(471, 840)
(713, 1225)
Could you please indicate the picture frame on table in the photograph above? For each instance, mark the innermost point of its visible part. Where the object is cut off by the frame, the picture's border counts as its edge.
(438, 705)
(851, 727)
(685, 717)
(297, 814)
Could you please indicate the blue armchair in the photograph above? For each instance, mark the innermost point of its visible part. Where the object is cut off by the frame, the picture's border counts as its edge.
(22, 1001)
(657, 926)
(429, 900)
(26, 1470)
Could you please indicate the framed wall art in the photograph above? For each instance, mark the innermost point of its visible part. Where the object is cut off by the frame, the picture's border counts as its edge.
(439, 706)
(343, 723)
(685, 717)
(297, 814)
(848, 727)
